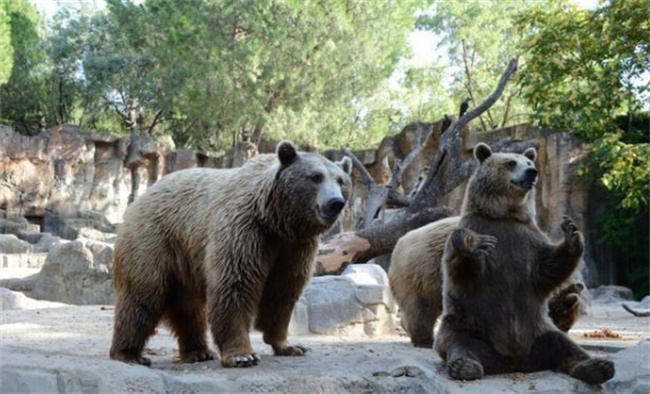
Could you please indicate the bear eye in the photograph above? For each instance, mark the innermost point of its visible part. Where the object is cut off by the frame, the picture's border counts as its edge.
(340, 181)
(511, 164)
(316, 178)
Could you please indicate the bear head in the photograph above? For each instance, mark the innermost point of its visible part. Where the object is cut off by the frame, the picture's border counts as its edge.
(312, 188)
(503, 185)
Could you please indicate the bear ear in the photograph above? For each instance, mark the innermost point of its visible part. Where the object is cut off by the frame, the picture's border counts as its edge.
(482, 152)
(531, 153)
(286, 152)
(346, 165)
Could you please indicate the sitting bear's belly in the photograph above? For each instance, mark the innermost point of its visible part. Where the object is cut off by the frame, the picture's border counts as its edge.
(511, 310)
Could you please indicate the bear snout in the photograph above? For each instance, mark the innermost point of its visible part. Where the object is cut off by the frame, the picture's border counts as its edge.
(333, 207)
(526, 180)
(531, 174)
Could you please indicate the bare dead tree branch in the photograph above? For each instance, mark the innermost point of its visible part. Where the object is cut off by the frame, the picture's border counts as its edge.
(636, 313)
(155, 122)
(488, 102)
(400, 166)
(449, 168)
(366, 178)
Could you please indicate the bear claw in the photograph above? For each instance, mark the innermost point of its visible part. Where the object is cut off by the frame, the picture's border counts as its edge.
(291, 351)
(197, 356)
(464, 368)
(484, 243)
(572, 235)
(144, 361)
(240, 361)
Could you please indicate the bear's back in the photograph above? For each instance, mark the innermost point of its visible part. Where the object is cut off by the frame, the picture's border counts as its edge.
(182, 206)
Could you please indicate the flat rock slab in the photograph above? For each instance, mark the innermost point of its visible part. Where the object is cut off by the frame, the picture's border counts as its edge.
(66, 350)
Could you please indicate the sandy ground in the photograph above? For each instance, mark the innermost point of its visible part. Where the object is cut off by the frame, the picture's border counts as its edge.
(6, 273)
(66, 350)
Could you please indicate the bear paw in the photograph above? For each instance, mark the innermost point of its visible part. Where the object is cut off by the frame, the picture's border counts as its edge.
(483, 244)
(129, 359)
(594, 371)
(291, 351)
(240, 360)
(468, 242)
(423, 343)
(464, 368)
(572, 236)
(197, 356)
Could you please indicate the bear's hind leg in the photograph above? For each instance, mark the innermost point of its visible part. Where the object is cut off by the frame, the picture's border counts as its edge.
(468, 358)
(554, 350)
(187, 319)
(420, 316)
(135, 321)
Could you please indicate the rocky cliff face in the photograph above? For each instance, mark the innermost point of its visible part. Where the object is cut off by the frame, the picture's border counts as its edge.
(66, 173)
(62, 180)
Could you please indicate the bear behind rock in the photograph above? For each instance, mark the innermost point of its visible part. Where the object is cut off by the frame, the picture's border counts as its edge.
(499, 269)
(225, 249)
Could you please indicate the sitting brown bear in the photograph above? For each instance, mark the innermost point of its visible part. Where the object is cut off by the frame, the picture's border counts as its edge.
(499, 269)
(415, 276)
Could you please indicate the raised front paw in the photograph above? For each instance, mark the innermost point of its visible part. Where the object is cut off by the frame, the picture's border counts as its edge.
(468, 242)
(291, 351)
(240, 360)
(483, 244)
(572, 236)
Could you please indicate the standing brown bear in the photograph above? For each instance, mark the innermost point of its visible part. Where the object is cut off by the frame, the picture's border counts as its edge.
(224, 248)
(499, 269)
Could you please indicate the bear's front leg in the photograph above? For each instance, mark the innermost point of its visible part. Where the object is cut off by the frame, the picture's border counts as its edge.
(559, 263)
(465, 255)
(235, 277)
(286, 281)
(564, 307)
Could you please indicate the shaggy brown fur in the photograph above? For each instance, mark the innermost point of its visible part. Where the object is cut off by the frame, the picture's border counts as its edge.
(499, 269)
(415, 277)
(224, 249)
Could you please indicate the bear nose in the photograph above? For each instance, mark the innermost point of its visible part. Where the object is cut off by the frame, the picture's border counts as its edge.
(335, 206)
(531, 173)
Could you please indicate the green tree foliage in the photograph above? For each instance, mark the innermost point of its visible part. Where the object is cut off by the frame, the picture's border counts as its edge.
(23, 95)
(234, 69)
(6, 50)
(480, 37)
(587, 72)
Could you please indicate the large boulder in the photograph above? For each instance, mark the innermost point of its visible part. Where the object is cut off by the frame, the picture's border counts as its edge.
(76, 272)
(10, 244)
(358, 302)
(610, 294)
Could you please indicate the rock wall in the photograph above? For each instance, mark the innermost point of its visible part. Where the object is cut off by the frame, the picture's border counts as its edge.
(67, 173)
(63, 180)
